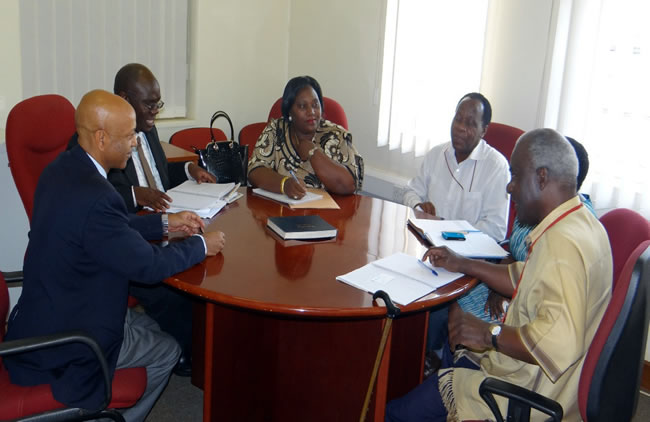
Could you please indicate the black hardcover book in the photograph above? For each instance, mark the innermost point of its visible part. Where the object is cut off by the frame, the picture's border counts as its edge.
(301, 227)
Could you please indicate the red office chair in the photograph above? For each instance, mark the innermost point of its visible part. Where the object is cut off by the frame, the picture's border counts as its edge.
(196, 137)
(503, 138)
(249, 134)
(611, 375)
(332, 111)
(38, 129)
(17, 401)
(626, 229)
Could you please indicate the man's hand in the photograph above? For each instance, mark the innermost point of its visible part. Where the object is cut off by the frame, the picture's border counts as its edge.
(293, 189)
(494, 305)
(427, 207)
(186, 222)
(200, 175)
(467, 330)
(215, 241)
(153, 198)
(444, 257)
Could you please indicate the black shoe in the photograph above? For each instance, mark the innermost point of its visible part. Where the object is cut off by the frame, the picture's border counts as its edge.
(184, 366)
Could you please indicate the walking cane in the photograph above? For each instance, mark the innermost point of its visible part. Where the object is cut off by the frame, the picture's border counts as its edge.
(391, 312)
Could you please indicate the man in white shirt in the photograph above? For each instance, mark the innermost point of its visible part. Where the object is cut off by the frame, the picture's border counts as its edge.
(465, 179)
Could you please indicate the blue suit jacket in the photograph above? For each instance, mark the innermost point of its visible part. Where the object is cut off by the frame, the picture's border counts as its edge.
(83, 250)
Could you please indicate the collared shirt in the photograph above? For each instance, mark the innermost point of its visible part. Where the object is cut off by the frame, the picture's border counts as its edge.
(473, 190)
(137, 163)
(139, 170)
(560, 300)
(100, 169)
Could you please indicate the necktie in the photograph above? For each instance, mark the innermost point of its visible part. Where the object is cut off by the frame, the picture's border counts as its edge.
(145, 165)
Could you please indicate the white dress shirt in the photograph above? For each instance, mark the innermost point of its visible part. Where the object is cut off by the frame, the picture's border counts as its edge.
(139, 170)
(474, 190)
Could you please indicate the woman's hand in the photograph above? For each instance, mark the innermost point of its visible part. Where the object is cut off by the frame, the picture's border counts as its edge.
(294, 189)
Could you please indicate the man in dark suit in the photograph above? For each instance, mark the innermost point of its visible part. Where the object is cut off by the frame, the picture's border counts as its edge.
(142, 183)
(136, 84)
(83, 249)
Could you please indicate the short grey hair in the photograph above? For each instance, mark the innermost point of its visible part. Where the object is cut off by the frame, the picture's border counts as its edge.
(550, 150)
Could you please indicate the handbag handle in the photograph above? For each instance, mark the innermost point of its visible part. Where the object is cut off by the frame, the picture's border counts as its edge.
(214, 117)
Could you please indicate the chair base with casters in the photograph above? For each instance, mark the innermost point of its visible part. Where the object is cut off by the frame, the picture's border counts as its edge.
(36, 403)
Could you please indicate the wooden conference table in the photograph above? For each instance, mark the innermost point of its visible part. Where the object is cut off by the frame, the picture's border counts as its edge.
(277, 338)
(174, 153)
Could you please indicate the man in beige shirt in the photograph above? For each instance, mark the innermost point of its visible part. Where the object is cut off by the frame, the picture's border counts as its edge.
(559, 297)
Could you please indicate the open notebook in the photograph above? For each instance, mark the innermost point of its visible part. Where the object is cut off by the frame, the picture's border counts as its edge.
(404, 277)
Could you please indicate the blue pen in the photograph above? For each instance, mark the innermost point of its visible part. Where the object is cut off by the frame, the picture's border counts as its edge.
(294, 176)
(427, 267)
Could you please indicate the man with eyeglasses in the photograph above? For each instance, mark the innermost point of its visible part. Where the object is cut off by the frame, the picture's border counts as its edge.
(148, 174)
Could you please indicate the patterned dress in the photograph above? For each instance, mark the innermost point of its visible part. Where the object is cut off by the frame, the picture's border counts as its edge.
(275, 150)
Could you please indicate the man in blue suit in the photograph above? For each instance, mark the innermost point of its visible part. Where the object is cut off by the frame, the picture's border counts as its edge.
(143, 182)
(83, 249)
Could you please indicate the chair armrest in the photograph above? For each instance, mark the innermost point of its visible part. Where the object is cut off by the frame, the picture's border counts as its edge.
(520, 401)
(12, 276)
(29, 344)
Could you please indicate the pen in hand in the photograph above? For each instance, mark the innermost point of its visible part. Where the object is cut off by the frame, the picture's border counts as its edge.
(427, 267)
(293, 175)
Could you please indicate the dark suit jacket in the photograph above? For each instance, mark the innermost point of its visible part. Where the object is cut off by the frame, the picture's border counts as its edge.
(83, 250)
(171, 174)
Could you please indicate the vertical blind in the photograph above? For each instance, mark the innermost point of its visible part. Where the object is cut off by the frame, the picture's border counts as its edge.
(70, 47)
(602, 100)
(433, 54)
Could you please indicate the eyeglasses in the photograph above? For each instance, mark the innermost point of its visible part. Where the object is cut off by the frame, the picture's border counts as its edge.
(153, 106)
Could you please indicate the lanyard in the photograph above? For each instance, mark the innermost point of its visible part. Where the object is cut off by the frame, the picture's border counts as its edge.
(530, 249)
(451, 173)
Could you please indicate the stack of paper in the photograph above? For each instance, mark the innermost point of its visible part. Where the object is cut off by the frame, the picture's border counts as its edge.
(405, 278)
(280, 197)
(476, 245)
(205, 199)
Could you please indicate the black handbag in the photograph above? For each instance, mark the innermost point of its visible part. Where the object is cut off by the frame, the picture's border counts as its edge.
(226, 160)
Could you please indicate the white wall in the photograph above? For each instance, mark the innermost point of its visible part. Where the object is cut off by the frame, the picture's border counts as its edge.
(11, 80)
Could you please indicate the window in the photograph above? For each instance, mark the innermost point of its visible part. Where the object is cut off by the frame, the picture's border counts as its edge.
(72, 46)
(433, 54)
(602, 100)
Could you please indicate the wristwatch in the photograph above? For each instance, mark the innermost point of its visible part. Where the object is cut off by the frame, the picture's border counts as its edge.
(165, 224)
(495, 330)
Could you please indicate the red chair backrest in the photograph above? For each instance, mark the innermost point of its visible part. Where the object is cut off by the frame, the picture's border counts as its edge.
(609, 382)
(503, 138)
(626, 229)
(333, 111)
(249, 134)
(38, 129)
(197, 137)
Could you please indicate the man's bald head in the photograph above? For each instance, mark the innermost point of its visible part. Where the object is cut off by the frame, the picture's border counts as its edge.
(105, 124)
